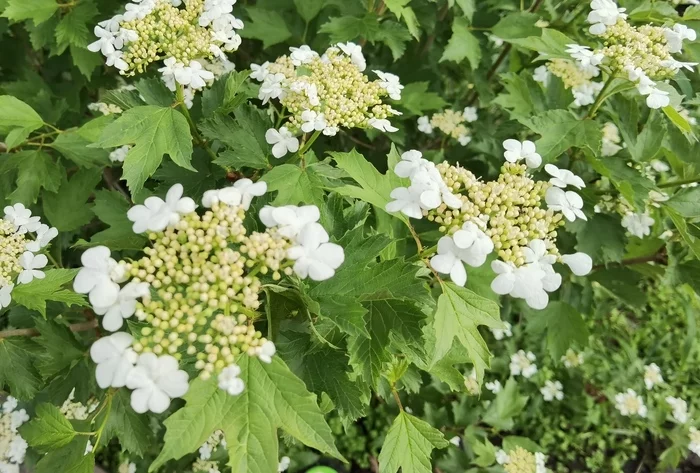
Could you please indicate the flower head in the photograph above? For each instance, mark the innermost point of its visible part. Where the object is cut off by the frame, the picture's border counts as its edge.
(516, 150)
(282, 142)
(155, 381)
(630, 403)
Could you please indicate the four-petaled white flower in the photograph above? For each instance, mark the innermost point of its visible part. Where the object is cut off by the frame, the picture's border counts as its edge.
(354, 51)
(382, 124)
(44, 235)
(524, 282)
(501, 333)
(424, 125)
(193, 75)
(658, 98)
(31, 264)
(302, 55)
(312, 121)
(155, 381)
(676, 35)
(289, 219)
(157, 214)
(474, 245)
(494, 386)
(21, 217)
(541, 75)
(568, 203)
(604, 13)
(522, 363)
(411, 164)
(230, 381)
(104, 43)
(266, 351)
(390, 82)
(271, 88)
(124, 307)
(114, 358)
(470, 114)
(638, 224)
(563, 177)
(552, 390)
(99, 277)
(407, 200)
(260, 71)
(652, 376)
(282, 141)
(314, 256)
(6, 295)
(283, 464)
(680, 408)
(630, 403)
(447, 261)
(516, 150)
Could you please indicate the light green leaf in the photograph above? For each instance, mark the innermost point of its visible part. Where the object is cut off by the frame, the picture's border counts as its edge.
(686, 202)
(416, 99)
(677, 119)
(245, 135)
(71, 457)
(561, 130)
(408, 445)
(73, 27)
(350, 28)
(266, 25)
(564, 325)
(111, 207)
(681, 224)
(647, 144)
(34, 295)
(60, 347)
(35, 169)
(462, 45)
(294, 185)
(459, 313)
(73, 194)
(508, 403)
(48, 430)
(17, 120)
(154, 131)
(550, 44)
(132, 429)
(517, 25)
(273, 398)
(17, 370)
(36, 10)
(308, 9)
(86, 61)
(75, 147)
(522, 97)
(401, 10)
(603, 238)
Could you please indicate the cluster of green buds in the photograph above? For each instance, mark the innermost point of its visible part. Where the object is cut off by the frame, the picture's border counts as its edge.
(323, 93)
(451, 123)
(12, 245)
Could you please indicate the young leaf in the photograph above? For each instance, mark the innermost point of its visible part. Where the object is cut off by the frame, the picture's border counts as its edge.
(35, 170)
(18, 118)
(48, 430)
(561, 130)
(16, 368)
(71, 457)
(294, 185)
(266, 25)
(416, 99)
(111, 207)
(61, 348)
(35, 294)
(273, 398)
(308, 9)
(132, 429)
(508, 403)
(459, 313)
(36, 10)
(73, 194)
(408, 445)
(462, 45)
(154, 131)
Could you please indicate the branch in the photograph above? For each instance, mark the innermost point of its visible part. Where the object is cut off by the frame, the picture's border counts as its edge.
(32, 332)
(655, 258)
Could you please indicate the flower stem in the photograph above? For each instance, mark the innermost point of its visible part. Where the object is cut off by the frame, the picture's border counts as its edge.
(679, 182)
(309, 143)
(601, 97)
(180, 96)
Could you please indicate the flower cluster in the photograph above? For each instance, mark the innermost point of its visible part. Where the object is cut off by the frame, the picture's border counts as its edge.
(630, 403)
(611, 140)
(76, 410)
(451, 123)
(643, 54)
(196, 290)
(552, 390)
(190, 37)
(12, 446)
(576, 74)
(322, 93)
(105, 108)
(506, 216)
(520, 460)
(523, 364)
(21, 260)
(571, 359)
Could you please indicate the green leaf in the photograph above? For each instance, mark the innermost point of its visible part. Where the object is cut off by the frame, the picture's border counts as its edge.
(677, 119)
(36, 10)
(681, 224)
(16, 368)
(602, 238)
(561, 130)
(631, 184)
(459, 313)
(294, 185)
(73, 27)
(132, 430)
(48, 430)
(35, 169)
(308, 9)
(73, 194)
(246, 135)
(374, 186)
(18, 117)
(154, 131)
(408, 445)
(550, 44)
(468, 7)
(344, 312)
(462, 45)
(266, 25)
(516, 26)
(60, 347)
(394, 36)
(623, 283)
(508, 404)
(399, 8)
(564, 325)
(350, 28)
(74, 146)
(34, 295)
(686, 202)
(647, 144)
(111, 207)
(86, 61)
(273, 398)
(523, 97)
(416, 99)
(193, 183)
(71, 457)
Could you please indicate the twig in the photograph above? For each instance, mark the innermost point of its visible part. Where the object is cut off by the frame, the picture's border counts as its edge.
(32, 332)
(397, 398)
(680, 182)
(113, 183)
(656, 258)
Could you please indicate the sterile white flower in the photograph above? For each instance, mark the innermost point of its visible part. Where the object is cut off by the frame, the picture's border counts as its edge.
(411, 164)
(115, 59)
(10, 404)
(502, 457)
(494, 386)
(652, 376)
(283, 464)
(248, 190)
(390, 82)
(447, 261)
(355, 52)
(516, 150)
(470, 114)
(455, 441)
(552, 390)
(260, 71)
(314, 256)
(88, 448)
(580, 263)
(464, 140)
(157, 214)
(501, 333)
(282, 141)
(424, 125)
(676, 35)
(99, 276)
(114, 358)
(658, 98)
(266, 351)
(542, 75)
(407, 201)
(522, 363)
(289, 219)
(230, 381)
(473, 244)
(572, 359)
(155, 381)
(119, 154)
(524, 282)
(17, 418)
(604, 13)
(568, 203)
(563, 177)
(630, 403)
(302, 55)
(44, 235)
(587, 60)
(124, 307)
(21, 217)
(585, 94)
(694, 445)
(271, 88)
(31, 264)
(312, 121)
(638, 224)
(382, 124)
(680, 408)
(17, 450)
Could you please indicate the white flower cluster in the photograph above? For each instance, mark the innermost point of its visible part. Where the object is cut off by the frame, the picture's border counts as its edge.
(21, 258)
(604, 13)
(520, 460)
(472, 384)
(576, 74)
(13, 447)
(323, 93)
(523, 364)
(488, 213)
(76, 410)
(104, 108)
(611, 140)
(192, 41)
(450, 123)
(501, 333)
(552, 390)
(197, 288)
(637, 223)
(571, 359)
(630, 403)
(694, 437)
(652, 376)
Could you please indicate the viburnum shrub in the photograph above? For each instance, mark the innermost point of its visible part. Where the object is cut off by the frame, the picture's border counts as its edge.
(378, 235)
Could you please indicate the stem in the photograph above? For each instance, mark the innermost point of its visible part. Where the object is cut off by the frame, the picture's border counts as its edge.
(601, 97)
(681, 182)
(180, 95)
(32, 332)
(397, 398)
(308, 144)
(53, 260)
(108, 403)
(415, 236)
(657, 258)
